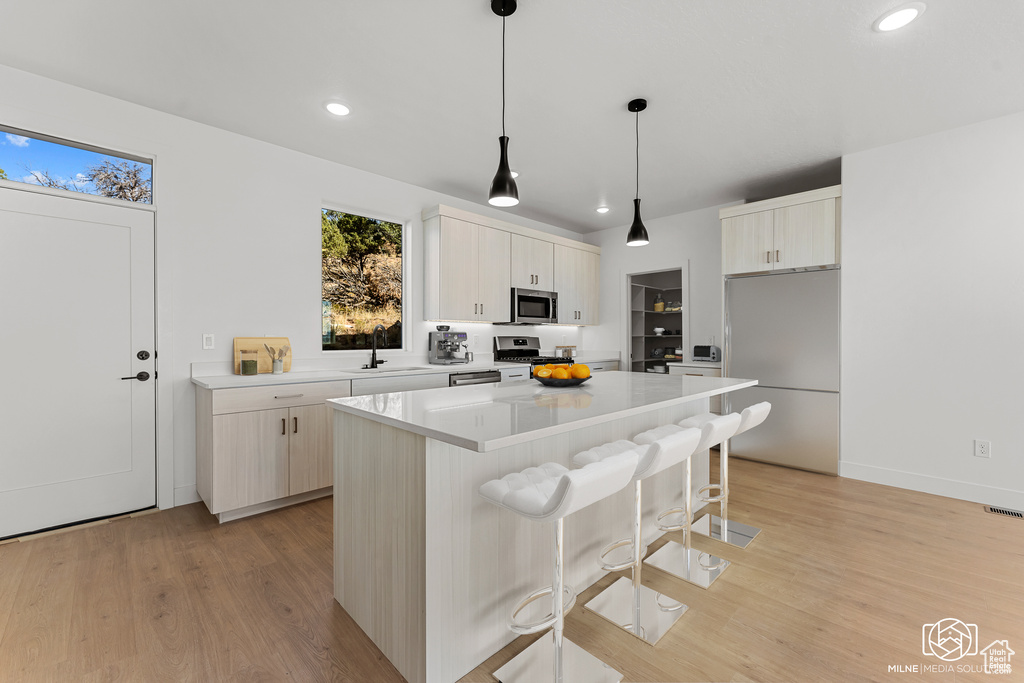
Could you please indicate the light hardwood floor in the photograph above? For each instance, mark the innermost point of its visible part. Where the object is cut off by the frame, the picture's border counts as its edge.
(836, 588)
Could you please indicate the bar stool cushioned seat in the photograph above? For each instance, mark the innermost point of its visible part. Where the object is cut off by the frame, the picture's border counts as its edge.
(551, 490)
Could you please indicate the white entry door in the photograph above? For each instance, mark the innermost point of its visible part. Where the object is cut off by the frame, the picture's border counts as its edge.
(77, 439)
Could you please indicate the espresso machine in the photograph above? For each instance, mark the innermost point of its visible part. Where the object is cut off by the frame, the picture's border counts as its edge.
(448, 348)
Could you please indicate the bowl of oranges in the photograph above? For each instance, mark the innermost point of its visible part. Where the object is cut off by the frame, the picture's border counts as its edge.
(551, 375)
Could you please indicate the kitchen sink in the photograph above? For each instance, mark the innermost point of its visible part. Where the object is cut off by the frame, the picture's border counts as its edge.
(377, 371)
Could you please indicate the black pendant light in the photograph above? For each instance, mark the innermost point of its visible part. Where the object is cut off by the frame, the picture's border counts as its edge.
(637, 236)
(503, 188)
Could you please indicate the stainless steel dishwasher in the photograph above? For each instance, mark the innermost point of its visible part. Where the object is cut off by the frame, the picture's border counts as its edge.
(461, 379)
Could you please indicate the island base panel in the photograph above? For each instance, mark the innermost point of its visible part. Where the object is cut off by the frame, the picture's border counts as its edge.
(379, 536)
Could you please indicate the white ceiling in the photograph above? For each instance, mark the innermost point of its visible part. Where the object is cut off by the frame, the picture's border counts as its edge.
(747, 99)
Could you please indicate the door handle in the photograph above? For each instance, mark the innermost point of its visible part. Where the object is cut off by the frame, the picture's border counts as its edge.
(768, 257)
(295, 427)
(284, 426)
(142, 376)
(474, 308)
(481, 309)
(776, 255)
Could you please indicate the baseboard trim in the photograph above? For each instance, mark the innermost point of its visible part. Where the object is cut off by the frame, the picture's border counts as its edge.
(259, 508)
(186, 495)
(950, 488)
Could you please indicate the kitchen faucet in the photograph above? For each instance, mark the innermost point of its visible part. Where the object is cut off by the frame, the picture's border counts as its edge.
(373, 341)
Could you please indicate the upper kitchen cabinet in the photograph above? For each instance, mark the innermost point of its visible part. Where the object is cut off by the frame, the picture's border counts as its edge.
(796, 231)
(577, 282)
(532, 263)
(472, 262)
(472, 273)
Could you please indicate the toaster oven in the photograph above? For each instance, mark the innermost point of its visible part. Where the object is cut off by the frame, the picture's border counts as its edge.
(711, 354)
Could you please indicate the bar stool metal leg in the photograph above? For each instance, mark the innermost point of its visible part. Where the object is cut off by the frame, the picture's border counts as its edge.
(555, 656)
(556, 601)
(719, 527)
(681, 559)
(641, 611)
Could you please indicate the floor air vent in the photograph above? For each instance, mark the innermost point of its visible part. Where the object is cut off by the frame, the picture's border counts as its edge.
(1004, 511)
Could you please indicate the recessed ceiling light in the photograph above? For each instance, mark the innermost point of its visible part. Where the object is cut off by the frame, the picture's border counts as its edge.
(337, 108)
(602, 209)
(899, 17)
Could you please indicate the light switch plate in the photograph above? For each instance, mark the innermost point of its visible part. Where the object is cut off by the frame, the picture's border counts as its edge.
(207, 341)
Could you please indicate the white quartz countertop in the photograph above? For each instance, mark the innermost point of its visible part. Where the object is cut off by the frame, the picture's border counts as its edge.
(269, 379)
(490, 416)
(416, 366)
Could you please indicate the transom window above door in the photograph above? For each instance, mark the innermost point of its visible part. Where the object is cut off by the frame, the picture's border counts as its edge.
(45, 161)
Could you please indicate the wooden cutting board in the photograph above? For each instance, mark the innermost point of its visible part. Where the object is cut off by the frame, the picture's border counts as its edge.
(263, 358)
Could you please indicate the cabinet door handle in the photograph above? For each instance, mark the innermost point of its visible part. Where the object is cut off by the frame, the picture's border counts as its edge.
(481, 309)
(295, 427)
(291, 396)
(768, 257)
(776, 255)
(475, 312)
(284, 428)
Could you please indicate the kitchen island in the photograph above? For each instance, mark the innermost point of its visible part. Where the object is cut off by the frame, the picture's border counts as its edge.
(429, 569)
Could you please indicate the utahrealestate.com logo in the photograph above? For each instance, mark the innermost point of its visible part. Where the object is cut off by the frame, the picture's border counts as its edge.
(951, 640)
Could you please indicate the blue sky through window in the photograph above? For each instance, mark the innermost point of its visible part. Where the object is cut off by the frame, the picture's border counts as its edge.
(26, 159)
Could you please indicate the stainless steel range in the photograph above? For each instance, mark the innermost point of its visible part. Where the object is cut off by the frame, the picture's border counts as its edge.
(524, 350)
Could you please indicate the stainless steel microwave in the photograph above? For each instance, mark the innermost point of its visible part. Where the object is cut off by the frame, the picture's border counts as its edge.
(532, 307)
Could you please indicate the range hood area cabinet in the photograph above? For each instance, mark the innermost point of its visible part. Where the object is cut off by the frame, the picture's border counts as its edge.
(784, 233)
(472, 262)
(533, 264)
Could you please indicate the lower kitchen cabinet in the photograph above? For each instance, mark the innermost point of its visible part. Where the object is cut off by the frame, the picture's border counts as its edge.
(604, 366)
(261, 448)
(699, 371)
(310, 448)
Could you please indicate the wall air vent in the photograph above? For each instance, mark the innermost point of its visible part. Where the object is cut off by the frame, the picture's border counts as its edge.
(1003, 511)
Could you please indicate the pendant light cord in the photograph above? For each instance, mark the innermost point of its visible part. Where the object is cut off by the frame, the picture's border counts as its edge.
(503, 75)
(638, 155)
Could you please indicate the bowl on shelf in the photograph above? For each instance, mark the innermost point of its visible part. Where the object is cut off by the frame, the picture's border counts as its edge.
(659, 331)
(552, 382)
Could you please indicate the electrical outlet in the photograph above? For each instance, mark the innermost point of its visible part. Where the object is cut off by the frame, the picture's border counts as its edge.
(982, 449)
(476, 341)
(207, 341)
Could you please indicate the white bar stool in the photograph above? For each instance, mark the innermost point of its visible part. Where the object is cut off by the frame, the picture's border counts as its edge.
(719, 527)
(681, 560)
(553, 492)
(641, 611)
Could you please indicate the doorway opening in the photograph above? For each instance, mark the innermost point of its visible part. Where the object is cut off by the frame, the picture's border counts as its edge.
(659, 321)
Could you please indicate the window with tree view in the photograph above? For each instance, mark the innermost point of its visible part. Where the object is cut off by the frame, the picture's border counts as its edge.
(62, 165)
(361, 281)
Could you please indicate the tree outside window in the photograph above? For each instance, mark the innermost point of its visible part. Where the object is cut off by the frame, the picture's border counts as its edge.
(361, 281)
(66, 165)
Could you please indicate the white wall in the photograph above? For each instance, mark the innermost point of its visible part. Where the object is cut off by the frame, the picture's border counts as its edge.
(238, 239)
(696, 236)
(933, 313)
